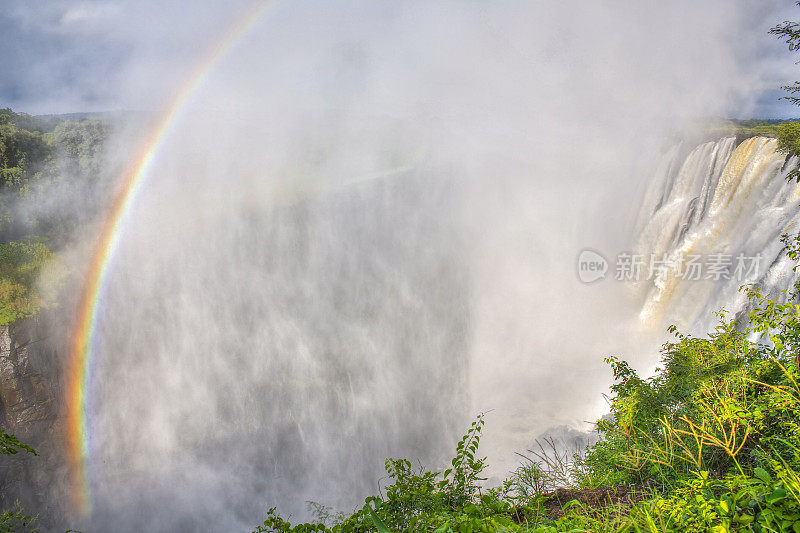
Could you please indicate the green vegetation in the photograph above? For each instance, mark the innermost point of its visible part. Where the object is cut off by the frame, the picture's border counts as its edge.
(789, 143)
(766, 127)
(715, 128)
(789, 137)
(9, 445)
(15, 519)
(20, 265)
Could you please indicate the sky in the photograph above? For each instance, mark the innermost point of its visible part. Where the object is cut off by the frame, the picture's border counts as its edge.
(64, 56)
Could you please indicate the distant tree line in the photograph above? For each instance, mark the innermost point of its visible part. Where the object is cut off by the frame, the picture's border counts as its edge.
(37, 154)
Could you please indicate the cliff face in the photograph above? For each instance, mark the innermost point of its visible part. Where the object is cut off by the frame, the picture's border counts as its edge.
(29, 400)
(26, 403)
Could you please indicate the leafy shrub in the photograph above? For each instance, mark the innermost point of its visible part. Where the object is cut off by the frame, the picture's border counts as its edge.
(688, 416)
(16, 521)
(734, 503)
(419, 500)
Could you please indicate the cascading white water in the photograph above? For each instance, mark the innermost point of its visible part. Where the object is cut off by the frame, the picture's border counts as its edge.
(725, 199)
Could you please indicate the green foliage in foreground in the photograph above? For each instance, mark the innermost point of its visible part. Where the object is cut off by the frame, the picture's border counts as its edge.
(710, 442)
(15, 520)
(9, 445)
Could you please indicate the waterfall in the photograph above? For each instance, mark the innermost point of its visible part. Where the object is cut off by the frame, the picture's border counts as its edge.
(723, 203)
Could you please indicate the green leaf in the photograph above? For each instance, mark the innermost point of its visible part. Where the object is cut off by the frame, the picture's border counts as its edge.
(762, 474)
(776, 495)
(9, 445)
(376, 521)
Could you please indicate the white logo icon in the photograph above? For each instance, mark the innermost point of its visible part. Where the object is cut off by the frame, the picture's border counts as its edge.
(591, 266)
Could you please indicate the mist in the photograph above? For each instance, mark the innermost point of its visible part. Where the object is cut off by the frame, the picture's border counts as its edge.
(362, 231)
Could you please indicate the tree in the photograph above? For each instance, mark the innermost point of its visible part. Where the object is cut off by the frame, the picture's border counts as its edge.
(22, 153)
(789, 133)
(80, 147)
(790, 32)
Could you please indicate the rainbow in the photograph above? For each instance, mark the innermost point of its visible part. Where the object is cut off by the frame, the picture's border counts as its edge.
(83, 338)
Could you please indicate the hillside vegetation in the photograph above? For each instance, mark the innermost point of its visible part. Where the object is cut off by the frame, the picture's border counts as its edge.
(716, 128)
(41, 161)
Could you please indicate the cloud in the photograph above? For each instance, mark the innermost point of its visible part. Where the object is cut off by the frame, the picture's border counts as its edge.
(83, 55)
(90, 12)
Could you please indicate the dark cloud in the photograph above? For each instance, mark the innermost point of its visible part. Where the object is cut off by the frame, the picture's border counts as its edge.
(49, 65)
(771, 105)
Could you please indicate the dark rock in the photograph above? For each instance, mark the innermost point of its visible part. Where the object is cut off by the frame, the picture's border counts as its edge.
(30, 399)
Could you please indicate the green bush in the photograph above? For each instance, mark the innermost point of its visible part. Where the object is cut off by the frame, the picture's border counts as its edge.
(15, 520)
(734, 503)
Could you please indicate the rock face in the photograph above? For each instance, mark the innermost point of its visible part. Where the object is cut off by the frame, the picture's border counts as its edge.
(26, 404)
(29, 409)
